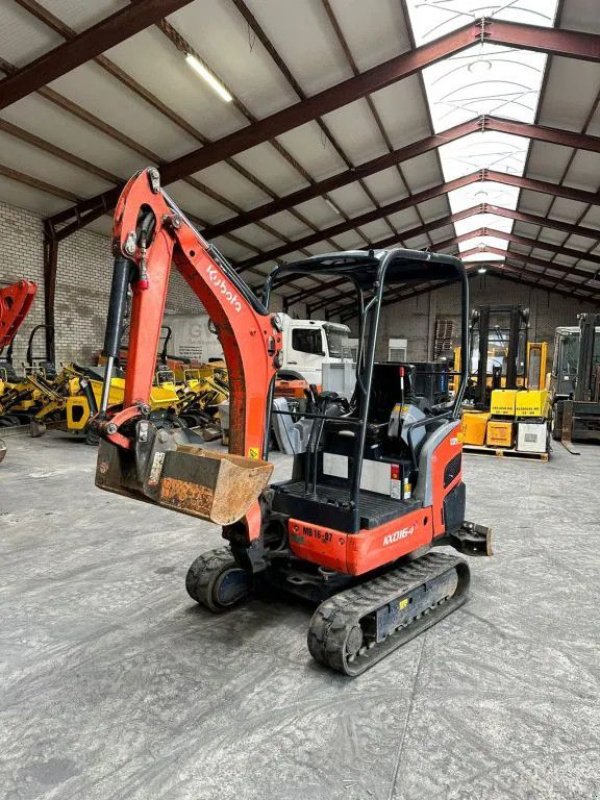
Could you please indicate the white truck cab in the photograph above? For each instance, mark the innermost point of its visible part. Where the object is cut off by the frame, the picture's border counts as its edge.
(307, 343)
(310, 343)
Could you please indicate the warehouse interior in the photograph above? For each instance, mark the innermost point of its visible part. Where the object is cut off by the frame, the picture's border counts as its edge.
(421, 181)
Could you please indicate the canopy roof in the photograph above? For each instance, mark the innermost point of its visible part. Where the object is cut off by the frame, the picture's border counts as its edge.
(363, 267)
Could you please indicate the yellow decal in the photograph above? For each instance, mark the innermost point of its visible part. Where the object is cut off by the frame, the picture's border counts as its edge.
(253, 452)
(403, 603)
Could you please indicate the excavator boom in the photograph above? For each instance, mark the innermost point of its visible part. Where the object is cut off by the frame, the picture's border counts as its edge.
(15, 302)
(169, 467)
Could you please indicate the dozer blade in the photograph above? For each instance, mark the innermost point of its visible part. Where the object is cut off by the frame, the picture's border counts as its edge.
(357, 627)
(171, 470)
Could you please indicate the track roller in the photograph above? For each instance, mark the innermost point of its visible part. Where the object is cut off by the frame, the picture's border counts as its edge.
(216, 581)
(356, 628)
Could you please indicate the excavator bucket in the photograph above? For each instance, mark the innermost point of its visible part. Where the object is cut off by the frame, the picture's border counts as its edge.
(214, 486)
(170, 471)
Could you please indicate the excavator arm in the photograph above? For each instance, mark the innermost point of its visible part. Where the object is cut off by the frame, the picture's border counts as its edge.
(15, 302)
(169, 467)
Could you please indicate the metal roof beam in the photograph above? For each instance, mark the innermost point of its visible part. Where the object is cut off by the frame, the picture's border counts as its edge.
(484, 123)
(380, 163)
(542, 133)
(422, 197)
(293, 116)
(107, 33)
(543, 287)
(495, 267)
(525, 241)
(363, 219)
(344, 178)
(544, 187)
(347, 311)
(538, 262)
(544, 222)
(484, 208)
(390, 241)
(554, 42)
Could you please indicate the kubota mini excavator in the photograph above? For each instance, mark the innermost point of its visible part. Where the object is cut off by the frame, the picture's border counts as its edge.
(15, 302)
(380, 483)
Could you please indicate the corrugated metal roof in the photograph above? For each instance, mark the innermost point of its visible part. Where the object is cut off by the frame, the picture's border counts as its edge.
(140, 103)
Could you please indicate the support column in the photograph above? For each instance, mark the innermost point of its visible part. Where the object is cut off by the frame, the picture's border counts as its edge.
(50, 266)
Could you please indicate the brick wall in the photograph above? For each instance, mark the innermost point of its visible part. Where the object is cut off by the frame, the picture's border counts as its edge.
(82, 286)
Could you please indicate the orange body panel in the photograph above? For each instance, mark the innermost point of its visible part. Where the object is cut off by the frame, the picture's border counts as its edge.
(357, 553)
(295, 388)
(449, 448)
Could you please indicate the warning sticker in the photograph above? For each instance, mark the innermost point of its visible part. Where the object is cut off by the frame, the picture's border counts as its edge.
(253, 452)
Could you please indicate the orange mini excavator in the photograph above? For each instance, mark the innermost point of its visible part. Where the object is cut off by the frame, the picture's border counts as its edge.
(15, 302)
(377, 485)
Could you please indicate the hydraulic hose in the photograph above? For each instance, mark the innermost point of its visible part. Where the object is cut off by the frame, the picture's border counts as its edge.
(123, 271)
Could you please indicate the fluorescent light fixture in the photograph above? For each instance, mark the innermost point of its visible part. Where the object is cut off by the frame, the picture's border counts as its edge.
(482, 270)
(332, 205)
(214, 83)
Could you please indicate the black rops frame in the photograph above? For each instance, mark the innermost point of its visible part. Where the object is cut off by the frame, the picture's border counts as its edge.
(371, 273)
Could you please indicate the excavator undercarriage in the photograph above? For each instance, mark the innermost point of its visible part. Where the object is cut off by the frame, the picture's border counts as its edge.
(377, 487)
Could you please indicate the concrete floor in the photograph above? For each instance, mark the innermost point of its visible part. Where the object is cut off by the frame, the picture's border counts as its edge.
(115, 685)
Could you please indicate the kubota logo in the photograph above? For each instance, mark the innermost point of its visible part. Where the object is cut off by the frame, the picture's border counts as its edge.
(219, 283)
(390, 538)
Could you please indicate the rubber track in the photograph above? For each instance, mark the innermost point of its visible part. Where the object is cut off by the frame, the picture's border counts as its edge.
(334, 618)
(202, 572)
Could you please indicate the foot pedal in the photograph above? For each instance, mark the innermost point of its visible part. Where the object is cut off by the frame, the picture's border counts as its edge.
(472, 539)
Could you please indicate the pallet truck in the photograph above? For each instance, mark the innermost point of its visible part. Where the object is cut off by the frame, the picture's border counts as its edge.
(379, 486)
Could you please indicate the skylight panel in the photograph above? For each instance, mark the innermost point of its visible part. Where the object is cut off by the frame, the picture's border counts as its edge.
(497, 194)
(484, 80)
(486, 150)
(482, 241)
(431, 19)
(483, 221)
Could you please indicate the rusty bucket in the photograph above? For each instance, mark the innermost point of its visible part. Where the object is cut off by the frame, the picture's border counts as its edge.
(215, 486)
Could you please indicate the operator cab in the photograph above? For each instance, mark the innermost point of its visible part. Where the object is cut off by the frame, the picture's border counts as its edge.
(361, 458)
